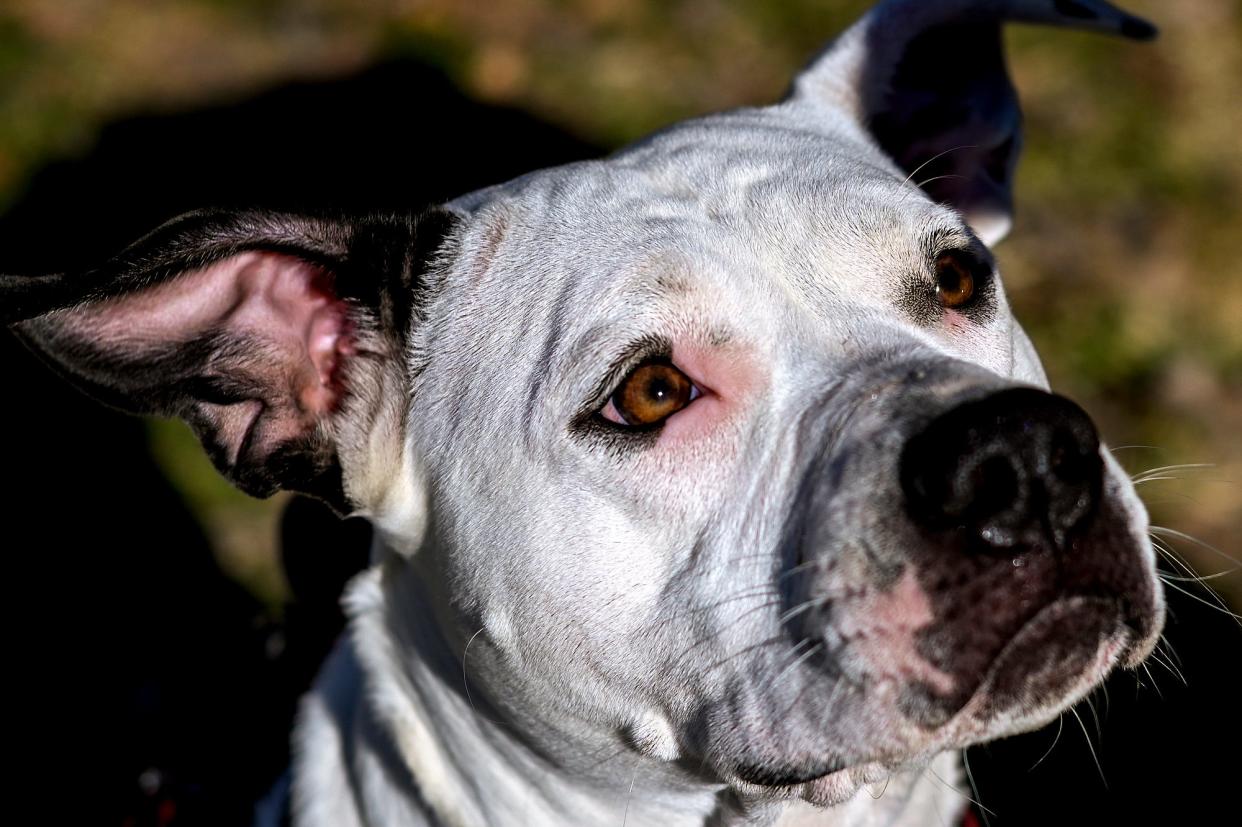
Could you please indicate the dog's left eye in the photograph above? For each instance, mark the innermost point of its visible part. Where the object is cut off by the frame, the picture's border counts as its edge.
(649, 394)
(959, 276)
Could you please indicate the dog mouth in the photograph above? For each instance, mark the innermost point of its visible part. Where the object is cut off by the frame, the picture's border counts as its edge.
(1053, 659)
(932, 637)
(961, 650)
(1026, 636)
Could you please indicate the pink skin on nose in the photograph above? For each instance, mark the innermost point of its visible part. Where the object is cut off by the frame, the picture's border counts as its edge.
(882, 626)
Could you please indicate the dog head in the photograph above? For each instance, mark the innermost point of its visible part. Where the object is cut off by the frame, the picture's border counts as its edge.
(728, 445)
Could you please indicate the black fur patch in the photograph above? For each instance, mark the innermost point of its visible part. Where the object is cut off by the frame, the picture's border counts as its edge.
(1072, 8)
(1138, 29)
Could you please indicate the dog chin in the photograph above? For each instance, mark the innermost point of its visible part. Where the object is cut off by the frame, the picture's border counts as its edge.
(1047, 666)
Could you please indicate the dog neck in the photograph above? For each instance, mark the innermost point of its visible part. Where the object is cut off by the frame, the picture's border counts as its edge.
(420, 745)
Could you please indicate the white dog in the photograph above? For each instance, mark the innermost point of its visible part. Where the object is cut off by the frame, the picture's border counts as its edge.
(712, 481)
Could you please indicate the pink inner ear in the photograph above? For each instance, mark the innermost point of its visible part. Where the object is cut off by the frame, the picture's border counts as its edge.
(292, 332)
(290, 304)
(253, 352)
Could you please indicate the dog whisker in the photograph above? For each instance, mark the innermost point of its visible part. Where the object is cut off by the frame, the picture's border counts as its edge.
(612, 755)
(1090, 747)
(629, 796)
(1056, 739)
(1154, 478)
(974, 788)
(924, 183)
(1165, 532)
(798, 661)
(711, 667)
(772, 600)
(1117, 448)
(1164, 655)
(1155, 473)
(465, 681)
(935, 158)
(1198, 578)
(1099, 730)
(798, 569)
(1155, 686)
(974, 798)
(1160, 541)
(1175, 559)
(803, 607)
(745, 594)
(1167, 497)
(1219, 606)
(935, 804)
(1165, 646)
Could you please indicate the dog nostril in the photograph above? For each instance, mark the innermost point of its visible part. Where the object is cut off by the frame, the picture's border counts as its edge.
(1017, 467)
(1068, 461)
(1075, 477)
(994, 487)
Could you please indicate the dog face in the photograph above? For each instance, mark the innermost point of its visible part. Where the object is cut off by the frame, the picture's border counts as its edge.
(759, 438)
(728, 446)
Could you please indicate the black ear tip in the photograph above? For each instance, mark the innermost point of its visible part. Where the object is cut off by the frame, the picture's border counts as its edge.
(24, 297)
(1136, 28)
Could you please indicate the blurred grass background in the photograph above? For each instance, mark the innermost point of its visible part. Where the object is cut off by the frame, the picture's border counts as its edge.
(1124, 263)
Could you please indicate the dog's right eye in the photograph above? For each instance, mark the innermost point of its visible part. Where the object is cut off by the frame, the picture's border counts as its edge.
(649, 394)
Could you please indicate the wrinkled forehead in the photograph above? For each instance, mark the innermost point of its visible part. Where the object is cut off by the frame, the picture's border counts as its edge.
(746, 207)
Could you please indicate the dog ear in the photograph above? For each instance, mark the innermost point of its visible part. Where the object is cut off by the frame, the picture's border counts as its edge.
(928, 81)
(277, 337)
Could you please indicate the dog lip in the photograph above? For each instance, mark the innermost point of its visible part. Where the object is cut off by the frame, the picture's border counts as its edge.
(1060, 608)
(826, 789)
(1052, 645)
(761, 776)
(1115, 635)
(1027, 658)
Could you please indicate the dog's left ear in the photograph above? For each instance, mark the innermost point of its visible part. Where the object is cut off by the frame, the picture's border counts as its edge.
(928, 81)
(280, 339)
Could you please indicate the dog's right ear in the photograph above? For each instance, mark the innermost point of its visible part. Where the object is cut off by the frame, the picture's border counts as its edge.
(926, 81)
(279, 338)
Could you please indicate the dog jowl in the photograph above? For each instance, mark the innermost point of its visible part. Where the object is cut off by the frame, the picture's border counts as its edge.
(712, 481)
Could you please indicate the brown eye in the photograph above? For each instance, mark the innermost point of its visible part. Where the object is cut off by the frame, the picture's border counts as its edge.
(653, 392)
(955, 284)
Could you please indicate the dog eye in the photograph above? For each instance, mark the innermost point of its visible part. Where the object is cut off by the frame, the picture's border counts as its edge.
(955, 278)
(649, 394)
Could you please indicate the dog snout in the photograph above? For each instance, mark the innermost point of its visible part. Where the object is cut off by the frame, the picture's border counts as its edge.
(1016, 468)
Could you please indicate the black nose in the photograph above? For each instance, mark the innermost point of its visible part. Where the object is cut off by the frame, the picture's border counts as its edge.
(1019, 467)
